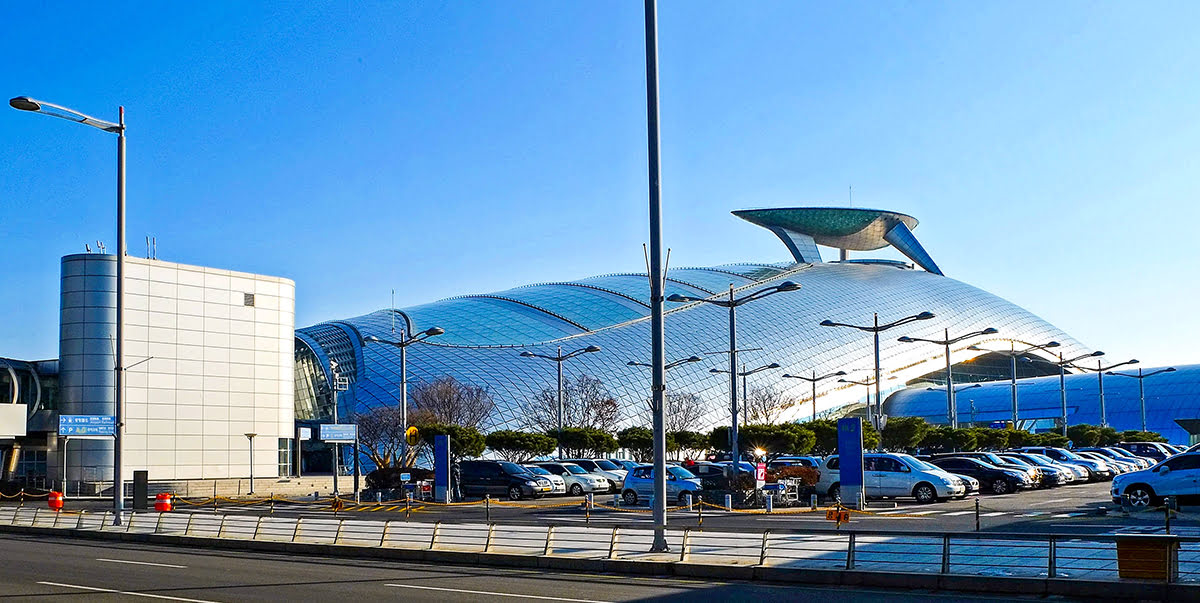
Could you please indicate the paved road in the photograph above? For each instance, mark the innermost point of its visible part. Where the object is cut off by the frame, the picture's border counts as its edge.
(46, 567)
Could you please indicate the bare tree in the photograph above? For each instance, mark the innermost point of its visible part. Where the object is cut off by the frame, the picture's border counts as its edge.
(450, 402)
(763, 405)
(586, 403)
(381, 434)
(683, 411)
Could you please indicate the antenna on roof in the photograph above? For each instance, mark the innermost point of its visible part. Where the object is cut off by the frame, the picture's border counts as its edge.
(87, 247)
(147, 247)
(393, 312)
(154, 247)
(851, 195)
(100, 246)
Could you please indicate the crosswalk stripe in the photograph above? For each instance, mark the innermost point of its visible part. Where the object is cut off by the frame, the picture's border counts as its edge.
(996, 514)
(958, 513)
(925, 513)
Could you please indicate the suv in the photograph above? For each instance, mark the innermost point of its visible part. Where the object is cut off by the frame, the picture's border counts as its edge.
(1177, 476)
(604, 468)
(639, 484)
(997, 479)
(578, 482)
(1096, 470)
(1150, 450)
(499, 478)
(893, 474)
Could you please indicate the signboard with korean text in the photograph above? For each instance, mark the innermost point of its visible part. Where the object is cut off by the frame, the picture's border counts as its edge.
(850, 460)
(338, 432)
(83, 426)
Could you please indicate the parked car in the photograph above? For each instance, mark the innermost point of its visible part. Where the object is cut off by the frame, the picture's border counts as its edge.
(1120, 455)
(1096, 470)
(1118, 467)
(893, 474)
(1079, 473)
(1032, 473)
(995, 479)
(578, 481)
(1147, 462)
(1150, 450)
(604, 468)
(499, 478)
(785, 461)
(626, 464)
(557, 484)
(711, 475)
(1052, 475)
(1175, 476)
(639, 484)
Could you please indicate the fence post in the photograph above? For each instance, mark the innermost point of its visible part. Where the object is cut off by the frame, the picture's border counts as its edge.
(850, 552)
(1167, 514)
(729, 502)
(433, 539)
(549, 540)
(129, 524)
(221, 528)
(487, 544)
(79, 522)
(770, 503)
(57, 514)
(683, 548)
(1052, 558)
(158, 524)
(945, 553)
(272, 503)
(296, 532)
(762, 555)
(487, 508)
(976, 514)
(257, 527)
(188, 528)
(383, 537)
(22, 502)
(35, 514)
(587, 510)
(338, 534)
(104, 520)
(407, 505)
(612, 544)
(700, 515)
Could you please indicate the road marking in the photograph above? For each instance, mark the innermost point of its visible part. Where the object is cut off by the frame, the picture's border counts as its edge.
(1034, 514)
(143, 563)
(892, 512)
(996, 514)
(124, 592)
(494, 594)
(924, 512)
(1050, 502)
(958, 513)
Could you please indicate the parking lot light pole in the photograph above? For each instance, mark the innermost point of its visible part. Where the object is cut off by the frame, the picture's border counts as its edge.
(407, 338)
(732, 303)
(1013, 353)
(867, 384)
(250, 437)
(813, 380)
(947, 341)
(558, 359)
(876, 329)
(745, 374)
(1141, 387)
(24, 103)
(669, 365)
(1062, 382)
(956, 390)
(1100, 370)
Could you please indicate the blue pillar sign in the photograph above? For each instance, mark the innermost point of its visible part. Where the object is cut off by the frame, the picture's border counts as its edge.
(850, 460)
(441, 468)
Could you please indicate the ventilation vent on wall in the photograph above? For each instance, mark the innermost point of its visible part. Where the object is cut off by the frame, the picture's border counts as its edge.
(248, 299)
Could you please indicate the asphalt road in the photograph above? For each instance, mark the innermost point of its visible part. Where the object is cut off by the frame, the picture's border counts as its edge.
(50, 567)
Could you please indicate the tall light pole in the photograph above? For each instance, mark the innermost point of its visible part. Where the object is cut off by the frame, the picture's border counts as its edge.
(250, 437)
(1013, 353)
(559, 359)
(876, 329)
(1140, 376)
(1062, 382)
(745, 375)
(947, 341)
(1100, 370)
(878, 425)
(813, 380)
(669, 365)
(407, 338)
(732, 303)
(956, 390)
(24, 103)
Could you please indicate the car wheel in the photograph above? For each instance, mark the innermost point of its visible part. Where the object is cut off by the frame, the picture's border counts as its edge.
(576, 490)
(835, 493)
(514, 493)
(924, 493)
(1141, 497)
(1000, 486)
(630, 497)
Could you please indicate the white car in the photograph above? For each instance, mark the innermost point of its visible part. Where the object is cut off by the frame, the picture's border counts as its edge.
(893, 474)
(557, 484)
(578, 482)
(1176, 476)
(604, 468)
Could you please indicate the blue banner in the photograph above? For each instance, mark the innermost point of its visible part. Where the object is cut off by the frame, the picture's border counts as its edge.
(850, 452)
(86, 425)
(338, 432)
(441, 468)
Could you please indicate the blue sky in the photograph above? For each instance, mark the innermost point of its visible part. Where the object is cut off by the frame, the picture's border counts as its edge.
(1049, 149)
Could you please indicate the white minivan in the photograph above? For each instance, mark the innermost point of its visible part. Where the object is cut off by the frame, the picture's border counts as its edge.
(894, 475)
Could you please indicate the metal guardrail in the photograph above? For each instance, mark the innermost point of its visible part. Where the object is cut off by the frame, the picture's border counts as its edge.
(1062, 556)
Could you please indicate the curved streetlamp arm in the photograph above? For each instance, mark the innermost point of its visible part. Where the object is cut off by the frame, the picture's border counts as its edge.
(24, 103)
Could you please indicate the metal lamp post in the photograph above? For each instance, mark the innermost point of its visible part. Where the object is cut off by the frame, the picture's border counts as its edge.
(559, 359)
(947, 341)
(955, 399)
(1062, 382)
(24, 103)
(250, 437)
(813, 380)
(732, 303)
(878, 425)
(1100, 370)
(669, 365)
(407, 338)
(876, 329)
(1013, 353)
(745, 374)
(1140, 376)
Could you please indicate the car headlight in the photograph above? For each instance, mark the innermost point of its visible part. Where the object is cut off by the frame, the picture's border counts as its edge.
(530, 483)
(948, 481)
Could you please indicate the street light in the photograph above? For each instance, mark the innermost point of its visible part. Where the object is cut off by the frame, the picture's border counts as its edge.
(407, 338)
(876, 330)
(867, 384)
(250, 436)
(732, 303)
(669, 365)
(1141, 388)
(559, 359)
(1062, 382)
(24, 103)
(947, 341)
(813, 380)
(956, 390)
(1100, 370)
(744, 374)
(1012, 354)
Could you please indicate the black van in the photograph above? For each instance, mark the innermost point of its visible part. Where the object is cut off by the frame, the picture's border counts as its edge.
(501, 478)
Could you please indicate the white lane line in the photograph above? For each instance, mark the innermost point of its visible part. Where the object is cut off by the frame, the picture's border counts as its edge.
(996, 514)
(892, 512)
(124, 592)
(958, 513)
(494, 594)
(925, 512)
(142, 563)
(1050, 502)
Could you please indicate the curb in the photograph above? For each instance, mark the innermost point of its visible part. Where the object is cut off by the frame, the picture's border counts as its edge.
(1088, 589)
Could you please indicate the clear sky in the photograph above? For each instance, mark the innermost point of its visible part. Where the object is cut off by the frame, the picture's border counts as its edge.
(1049, 149)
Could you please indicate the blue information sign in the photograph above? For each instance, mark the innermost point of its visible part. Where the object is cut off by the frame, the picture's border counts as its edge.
(850, 452)
(441, 468)
(338, 432)
(86, 425)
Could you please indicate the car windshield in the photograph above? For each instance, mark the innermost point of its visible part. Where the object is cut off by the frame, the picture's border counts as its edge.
(1019, 461)
(606, 465)
(917, 463)
(1071, 455)
(993, 459)
(576, 469)
(681, 473)
(538, 470)
(1041, 460)
(512, 468)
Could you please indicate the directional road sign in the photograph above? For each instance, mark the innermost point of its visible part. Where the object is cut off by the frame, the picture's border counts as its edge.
(86, 425)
